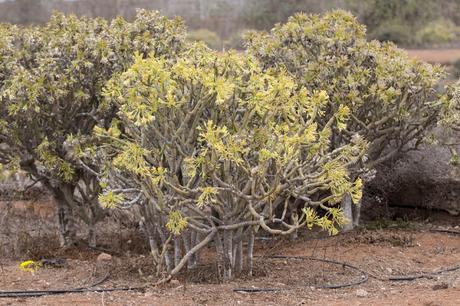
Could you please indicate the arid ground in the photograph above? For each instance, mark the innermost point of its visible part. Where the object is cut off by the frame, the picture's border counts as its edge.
(408, 249)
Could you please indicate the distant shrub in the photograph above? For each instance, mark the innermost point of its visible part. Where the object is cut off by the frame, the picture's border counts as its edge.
(437, 33)
(235, 41)
(451, 114)
(210, 38)
(394, 31)
(456, 69)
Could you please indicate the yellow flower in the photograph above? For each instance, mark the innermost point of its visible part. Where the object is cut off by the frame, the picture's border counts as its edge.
(176, 222)
(29, 266)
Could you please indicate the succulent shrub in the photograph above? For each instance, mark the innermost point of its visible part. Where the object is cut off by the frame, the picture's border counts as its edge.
(209, 145)
(392, 100)
(450, 122)
(456, 69)
(451, 112)
(51, 80)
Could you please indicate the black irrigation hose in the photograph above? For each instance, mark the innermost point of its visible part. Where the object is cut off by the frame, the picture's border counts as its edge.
(18, 293)
(445, 231)
(398, 278)
(364, 276)
(38, 293)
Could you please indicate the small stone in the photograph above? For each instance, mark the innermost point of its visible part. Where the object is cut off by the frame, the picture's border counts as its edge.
(440, 286)
(104, 257)
(361, 293)
(456, 283)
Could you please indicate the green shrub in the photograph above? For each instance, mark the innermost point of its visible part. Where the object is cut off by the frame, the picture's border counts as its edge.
(451, 113)
(211, 39)
(392, 99)
(51, 80)
(212, 146)
(456, 69)
(394, 31)
(395, 20)
(437, 33)
(235, 41)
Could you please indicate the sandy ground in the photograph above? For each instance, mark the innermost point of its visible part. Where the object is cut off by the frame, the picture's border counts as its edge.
(381, 253)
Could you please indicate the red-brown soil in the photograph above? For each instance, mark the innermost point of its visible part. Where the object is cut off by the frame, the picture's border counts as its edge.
(382, 253)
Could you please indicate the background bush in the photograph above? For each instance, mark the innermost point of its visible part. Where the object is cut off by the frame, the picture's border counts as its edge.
(392, 99)
(397, 20)
(437, 33)
(51, 80)
(211, 39)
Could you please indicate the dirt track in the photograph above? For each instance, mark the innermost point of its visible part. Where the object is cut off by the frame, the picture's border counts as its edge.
(381, 253)
(440, 56)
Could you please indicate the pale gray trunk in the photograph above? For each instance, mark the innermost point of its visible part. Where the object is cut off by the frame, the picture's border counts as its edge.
(228, 255)
(168, 258)
(347, 212)
(224, 250)
(195, 239)
(239, 257)
(92, 235)
(356, 214)
(294, 221)
(188, 240)
(154, 251)
(96, 214)
(177, 251)
(153, 243)
(168, 261)
(66, 220)
(237, 262)
(220, 254)
(250, 252)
